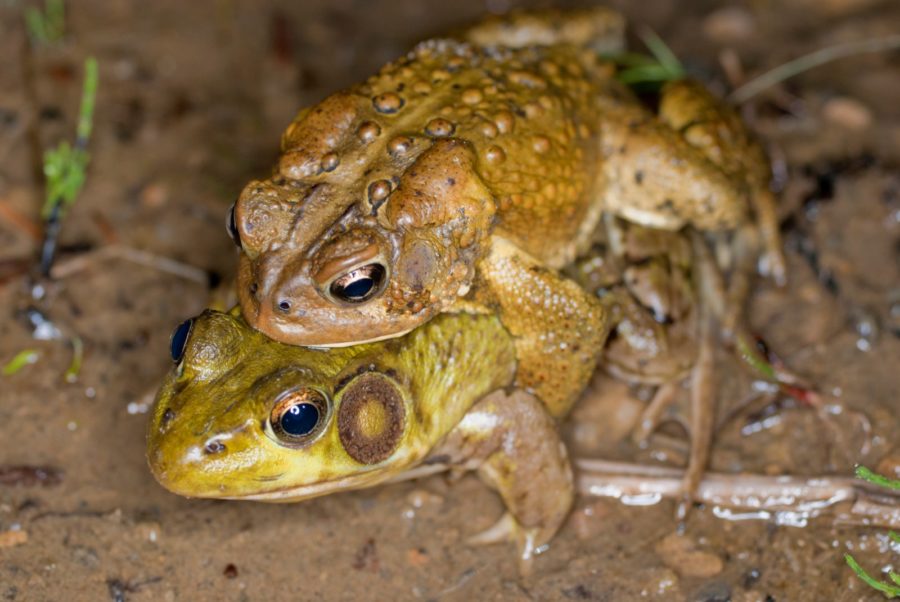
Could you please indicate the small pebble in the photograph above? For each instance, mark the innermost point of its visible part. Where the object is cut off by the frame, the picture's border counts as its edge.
(847, 113)
(154, 196)
(728, 25)
(417, 557)
(9, 539)
(681, 554)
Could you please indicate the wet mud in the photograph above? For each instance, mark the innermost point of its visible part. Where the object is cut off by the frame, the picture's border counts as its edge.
(192, 100)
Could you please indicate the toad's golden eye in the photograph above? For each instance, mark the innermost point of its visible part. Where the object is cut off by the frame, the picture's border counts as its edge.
(360, 284)
(298, 416)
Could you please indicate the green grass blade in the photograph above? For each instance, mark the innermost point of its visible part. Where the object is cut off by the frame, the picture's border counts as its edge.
(886, 588)
(74, 369)
(662, 53)
(65, 167)
(873, 477)
(652, 73)
(26, 357)
(88, 97)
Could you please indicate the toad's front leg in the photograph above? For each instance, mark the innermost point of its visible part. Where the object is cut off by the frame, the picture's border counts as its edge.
(558, 327)
(513, 443)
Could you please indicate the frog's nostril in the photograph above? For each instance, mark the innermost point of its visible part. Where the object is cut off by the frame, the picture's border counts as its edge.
(284, 305)
(214, 447)
(254, 288)
(167, 417)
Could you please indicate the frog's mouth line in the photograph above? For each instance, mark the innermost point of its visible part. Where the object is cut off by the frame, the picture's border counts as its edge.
(357, 481)
(294, 493)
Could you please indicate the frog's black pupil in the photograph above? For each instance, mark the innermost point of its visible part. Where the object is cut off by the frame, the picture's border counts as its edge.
(231, 225)
(300, 419)
(180, 339)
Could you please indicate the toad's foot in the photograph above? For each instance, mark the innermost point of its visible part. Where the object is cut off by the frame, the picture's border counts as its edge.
(514, 445)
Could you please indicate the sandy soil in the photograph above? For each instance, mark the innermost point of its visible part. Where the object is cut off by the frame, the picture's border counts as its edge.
(193, 97)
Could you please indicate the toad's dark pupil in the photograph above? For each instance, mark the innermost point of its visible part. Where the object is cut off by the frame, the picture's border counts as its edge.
(358, 288)
(359, 284)
(231, 226)
(180, 339)
(300, 419)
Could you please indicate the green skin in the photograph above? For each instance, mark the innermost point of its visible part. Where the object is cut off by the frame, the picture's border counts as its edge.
(213, 432)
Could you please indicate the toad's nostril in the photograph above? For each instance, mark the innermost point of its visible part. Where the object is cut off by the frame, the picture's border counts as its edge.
(284, 305)
(254, 288)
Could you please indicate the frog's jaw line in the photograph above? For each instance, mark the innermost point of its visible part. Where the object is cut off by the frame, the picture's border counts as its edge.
(306, 492)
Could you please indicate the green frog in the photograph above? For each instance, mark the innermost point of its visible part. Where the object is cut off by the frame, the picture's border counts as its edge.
(463, 176)
(241, 416)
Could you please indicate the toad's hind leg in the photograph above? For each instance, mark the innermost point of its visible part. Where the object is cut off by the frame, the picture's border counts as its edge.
(654, 177)
(558, 327)
(598, 28)
(514, 444)
(715, 129)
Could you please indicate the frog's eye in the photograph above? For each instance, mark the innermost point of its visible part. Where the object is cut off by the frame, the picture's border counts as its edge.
(298, 416)
(231, 226)
(360, 284)
(179, 339)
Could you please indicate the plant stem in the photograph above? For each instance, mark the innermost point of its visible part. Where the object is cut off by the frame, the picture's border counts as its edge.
(810, 61)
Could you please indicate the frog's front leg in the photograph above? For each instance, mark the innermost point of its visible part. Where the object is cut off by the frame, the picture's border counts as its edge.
(514, 444)
(558, 327)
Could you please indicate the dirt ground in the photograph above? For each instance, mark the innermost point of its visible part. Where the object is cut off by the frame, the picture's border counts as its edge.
(192, 99)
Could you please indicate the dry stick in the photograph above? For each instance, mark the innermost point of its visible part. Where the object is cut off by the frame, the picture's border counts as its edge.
(810, 61)
(67, 268)
(782, 497)
(785, 499)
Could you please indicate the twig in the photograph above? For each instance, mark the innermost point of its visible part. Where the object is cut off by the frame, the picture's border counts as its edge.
(810, 61)
(785, 499)
(788, 500)
(67, 268)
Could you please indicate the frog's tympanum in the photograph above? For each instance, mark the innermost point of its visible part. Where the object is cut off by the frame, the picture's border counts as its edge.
(242, 416)
(464, 175)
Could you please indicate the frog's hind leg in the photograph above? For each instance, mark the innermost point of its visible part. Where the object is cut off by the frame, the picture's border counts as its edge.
(558, 327)
(514, 444)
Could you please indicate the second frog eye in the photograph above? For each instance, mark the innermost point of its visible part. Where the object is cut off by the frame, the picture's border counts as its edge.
(360, 284)
(179, 339)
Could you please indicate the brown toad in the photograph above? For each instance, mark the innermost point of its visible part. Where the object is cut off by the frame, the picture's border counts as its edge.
(462, 177)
